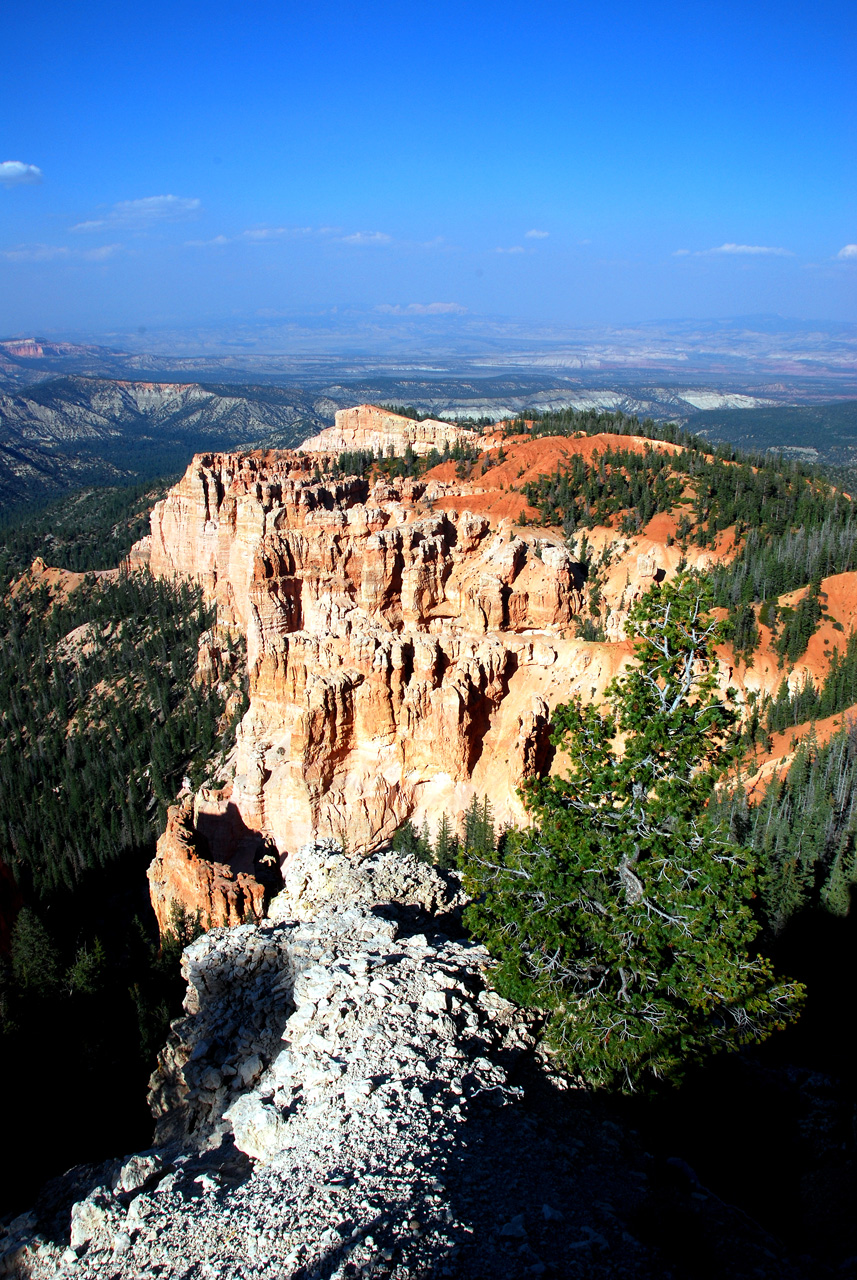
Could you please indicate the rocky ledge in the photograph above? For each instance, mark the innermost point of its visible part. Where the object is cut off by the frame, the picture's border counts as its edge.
(346, 1096)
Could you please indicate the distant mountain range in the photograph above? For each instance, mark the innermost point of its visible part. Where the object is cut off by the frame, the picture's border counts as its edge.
(74, 414)
(73, 431)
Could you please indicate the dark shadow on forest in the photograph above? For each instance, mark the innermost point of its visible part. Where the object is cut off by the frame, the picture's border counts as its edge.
(72, 1077)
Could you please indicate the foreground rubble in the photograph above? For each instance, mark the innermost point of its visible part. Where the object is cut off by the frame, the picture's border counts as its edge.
(346, 1096)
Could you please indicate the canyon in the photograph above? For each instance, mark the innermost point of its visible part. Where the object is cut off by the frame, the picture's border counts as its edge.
(404, 650)
(344, 1092)
(71, 431)
(407, 641)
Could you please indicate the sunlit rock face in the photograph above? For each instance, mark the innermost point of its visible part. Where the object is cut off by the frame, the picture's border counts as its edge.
(208, 862)
(404, 652)
(390, 434)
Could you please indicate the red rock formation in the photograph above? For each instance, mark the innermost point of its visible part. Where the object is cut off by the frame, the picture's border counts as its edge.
(209, 863)
(399, 656)
(24, 348)
(59, 583)
(405, 649)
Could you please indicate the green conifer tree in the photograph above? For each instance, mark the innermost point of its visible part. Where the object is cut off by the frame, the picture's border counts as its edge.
(35, 958)
(88, 975)
(625, 910)
(837, 890)
(445, 845)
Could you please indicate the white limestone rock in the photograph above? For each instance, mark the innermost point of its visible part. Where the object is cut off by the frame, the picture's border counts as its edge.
(321, 873)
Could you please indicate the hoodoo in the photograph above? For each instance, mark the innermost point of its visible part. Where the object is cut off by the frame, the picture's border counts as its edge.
(404, 651)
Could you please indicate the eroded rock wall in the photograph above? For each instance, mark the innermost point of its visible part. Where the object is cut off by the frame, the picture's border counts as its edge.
(401, 657)
(211, 864)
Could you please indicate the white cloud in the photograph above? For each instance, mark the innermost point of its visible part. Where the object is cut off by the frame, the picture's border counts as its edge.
(255, 235)
(681, 253)
(103, 251)
(137, 215)
(752, 249)
(422, 309)
(14, 173)
(35, 252)
(515, 248)
(367, 237)
(848, 251)
(264, 233)
(48, 252)
(536, 235)
(275, 233)
(267, 235)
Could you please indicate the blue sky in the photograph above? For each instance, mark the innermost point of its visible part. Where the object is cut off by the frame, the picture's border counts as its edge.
(558, 163)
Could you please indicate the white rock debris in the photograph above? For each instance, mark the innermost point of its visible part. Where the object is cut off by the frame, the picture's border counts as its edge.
(295, 1029)
(338, 1101)
(322, 872)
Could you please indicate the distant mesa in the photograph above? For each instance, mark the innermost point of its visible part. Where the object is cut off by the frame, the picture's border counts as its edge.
(25, 349)
(383, 433)
(34, 349)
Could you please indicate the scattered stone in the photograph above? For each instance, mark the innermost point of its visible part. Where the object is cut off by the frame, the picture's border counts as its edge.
(353, 1140)
(137, 1172)
(94, 1220)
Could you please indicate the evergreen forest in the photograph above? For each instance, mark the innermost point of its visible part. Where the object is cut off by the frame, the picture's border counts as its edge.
(88, 529)
(102, 719)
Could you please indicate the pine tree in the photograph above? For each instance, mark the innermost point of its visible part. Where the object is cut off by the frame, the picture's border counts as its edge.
(445, 845)
(479, 827)
(626, 910)
(88, 974)
(35, 958)
(408, 839)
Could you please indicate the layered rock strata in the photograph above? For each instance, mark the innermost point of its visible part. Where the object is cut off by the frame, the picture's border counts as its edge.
(386, 434)
(400, 658)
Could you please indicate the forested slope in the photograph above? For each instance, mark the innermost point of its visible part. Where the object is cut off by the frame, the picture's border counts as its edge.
(825, 433)
(87, 529)
(102, 718)
(782, 533)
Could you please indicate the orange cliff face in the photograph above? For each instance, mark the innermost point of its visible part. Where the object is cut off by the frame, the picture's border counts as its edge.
(210, 864)
(406, 644)
(405, 652)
